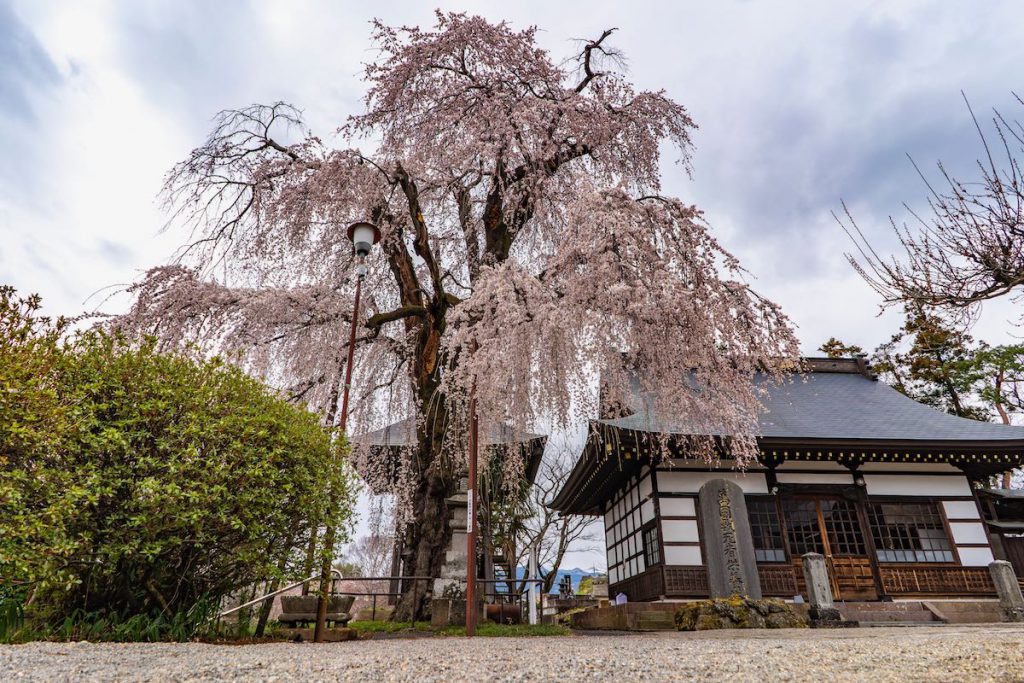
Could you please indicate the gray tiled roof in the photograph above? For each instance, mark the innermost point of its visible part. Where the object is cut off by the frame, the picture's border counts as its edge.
(841, 406)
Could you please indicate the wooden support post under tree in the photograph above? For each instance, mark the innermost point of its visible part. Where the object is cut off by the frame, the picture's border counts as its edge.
(471, 489)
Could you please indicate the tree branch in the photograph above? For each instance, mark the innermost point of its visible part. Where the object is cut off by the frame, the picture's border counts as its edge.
(402, 312)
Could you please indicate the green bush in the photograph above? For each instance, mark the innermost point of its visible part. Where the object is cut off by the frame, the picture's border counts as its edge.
(12, 611)
(136, 485)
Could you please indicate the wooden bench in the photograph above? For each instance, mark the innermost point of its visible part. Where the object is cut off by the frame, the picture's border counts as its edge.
(301, 609)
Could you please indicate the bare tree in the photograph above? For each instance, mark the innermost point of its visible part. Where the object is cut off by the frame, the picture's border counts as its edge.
(372, 554)
(532, 524)
(969, 248)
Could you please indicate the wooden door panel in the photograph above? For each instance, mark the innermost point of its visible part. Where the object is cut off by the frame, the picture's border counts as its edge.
(854, 578)
(831, 526)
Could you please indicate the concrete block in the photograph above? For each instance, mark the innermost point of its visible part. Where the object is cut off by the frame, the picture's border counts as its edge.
(1008, 590)
(819, 589)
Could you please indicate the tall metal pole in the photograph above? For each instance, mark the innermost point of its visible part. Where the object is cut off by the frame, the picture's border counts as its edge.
(474, 435)
(325, 567)
(532, 586)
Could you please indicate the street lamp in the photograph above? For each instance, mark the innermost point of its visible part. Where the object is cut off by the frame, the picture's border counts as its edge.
(363, 236)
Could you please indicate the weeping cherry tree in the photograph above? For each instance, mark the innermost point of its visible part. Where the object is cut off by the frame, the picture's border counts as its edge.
(526, 250)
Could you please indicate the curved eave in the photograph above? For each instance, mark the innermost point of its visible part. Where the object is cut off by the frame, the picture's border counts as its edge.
(613, 453)
(597, 473)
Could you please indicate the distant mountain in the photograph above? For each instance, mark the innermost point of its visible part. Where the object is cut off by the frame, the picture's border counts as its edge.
(576, 573)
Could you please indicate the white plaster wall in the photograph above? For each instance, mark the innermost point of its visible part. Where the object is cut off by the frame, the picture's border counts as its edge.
(975, 557)
(677, 507)
(674, 481)
(620, 542)
(645, 487)
(647, 511)
(917, 485)
(686, 555)
(968, 532)
(814, 478)
(675, 530)
(960, 509)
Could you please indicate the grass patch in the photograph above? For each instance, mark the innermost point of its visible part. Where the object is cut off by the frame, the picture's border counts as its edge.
(492, 630)
(487, 629)
(388, 626)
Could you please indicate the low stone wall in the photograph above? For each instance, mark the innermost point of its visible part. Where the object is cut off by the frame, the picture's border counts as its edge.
(634, 616)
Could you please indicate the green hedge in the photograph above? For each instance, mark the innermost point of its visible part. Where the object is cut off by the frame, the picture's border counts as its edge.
(143, 485)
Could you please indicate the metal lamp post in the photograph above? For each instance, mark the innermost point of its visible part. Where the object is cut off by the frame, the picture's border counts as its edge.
(363, 237)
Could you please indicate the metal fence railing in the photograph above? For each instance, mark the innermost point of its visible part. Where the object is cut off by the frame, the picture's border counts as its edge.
(505, 599)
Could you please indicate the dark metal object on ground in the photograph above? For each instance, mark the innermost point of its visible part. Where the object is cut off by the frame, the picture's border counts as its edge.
(301, 609)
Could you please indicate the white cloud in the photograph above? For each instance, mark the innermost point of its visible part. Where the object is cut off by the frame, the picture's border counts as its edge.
(800, 105)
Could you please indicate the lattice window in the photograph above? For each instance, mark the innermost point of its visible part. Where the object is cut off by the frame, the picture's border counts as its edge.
(802, 527)
(652, 549)
(909, 532)
(843, 527)
(766, 530)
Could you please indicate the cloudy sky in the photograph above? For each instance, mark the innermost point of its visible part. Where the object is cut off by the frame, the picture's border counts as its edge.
(800, 106)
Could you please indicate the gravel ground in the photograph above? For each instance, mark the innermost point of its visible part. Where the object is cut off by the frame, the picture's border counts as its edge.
(953, 653)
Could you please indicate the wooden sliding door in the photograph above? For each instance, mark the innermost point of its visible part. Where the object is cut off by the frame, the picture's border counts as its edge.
(831, 526)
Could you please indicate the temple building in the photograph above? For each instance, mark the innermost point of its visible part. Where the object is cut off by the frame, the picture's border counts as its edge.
(887, 489)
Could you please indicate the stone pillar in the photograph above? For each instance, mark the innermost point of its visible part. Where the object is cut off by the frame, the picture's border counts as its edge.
(732, 567)
(452, 581)
(1008, 590)
(819, 589)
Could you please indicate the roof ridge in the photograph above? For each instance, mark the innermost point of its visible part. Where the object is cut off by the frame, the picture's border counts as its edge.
(853, 366)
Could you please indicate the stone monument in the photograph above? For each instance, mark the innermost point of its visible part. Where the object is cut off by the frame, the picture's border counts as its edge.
(732, 567)
(823, 610)
(1008, 589)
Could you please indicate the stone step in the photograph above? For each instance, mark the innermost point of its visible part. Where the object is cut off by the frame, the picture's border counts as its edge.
(656, 619)
(899, 624)
(976, 617)
(893, 613)
(955, 606)
(888, 617)
(968, 611)
(914, 606)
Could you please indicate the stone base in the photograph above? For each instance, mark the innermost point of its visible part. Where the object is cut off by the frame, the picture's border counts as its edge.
(737, 612)
(828, 623)
(1014, 614)
(451, 612)
(828, 617)
(331, 635)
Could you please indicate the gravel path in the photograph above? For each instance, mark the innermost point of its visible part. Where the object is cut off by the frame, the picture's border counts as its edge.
(954, 653)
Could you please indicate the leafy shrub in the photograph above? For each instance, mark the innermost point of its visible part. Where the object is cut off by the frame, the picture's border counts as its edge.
(12, 612)
(136, 485)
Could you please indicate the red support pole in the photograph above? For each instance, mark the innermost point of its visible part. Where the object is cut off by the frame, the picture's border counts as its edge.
(325, 567)
(471, 614)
